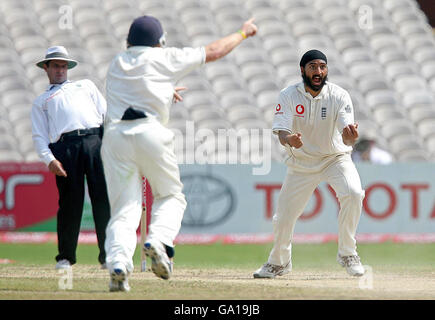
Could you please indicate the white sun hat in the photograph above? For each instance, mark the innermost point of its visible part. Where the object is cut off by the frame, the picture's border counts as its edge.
(57, 53)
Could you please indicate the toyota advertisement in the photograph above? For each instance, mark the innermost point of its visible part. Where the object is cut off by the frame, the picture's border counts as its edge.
(230, 200)
(400, 198)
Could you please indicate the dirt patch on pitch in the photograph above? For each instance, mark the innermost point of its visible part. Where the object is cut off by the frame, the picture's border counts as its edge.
(319, 284)
(89, 282)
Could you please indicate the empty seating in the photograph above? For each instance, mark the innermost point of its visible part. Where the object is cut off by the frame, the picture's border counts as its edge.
(384, 115)
(396, 127)
(8, 155)
(417, 97)
(419, 155)
(388, 68)
(405, 142)
(426, 128)
(371, 82)
(205, 112)
(242, 112)
(420, 113)
(399, 68)
(428, 70)
(430, 144)
(424, 55)
(409, 82)
(392, 55)
(198, 97)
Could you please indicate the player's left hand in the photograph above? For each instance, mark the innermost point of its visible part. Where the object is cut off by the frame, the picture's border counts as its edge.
(350, 134)
(177, 97)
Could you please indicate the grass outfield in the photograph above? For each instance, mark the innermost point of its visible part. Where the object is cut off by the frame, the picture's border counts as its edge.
(396, 271)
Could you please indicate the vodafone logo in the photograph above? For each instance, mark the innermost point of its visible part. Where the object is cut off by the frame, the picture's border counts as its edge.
(300, 109)
(278, 109)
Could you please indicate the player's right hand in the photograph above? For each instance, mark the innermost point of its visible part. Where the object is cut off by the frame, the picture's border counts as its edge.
(177, 97)
(295, 140)
(56, 167)
(249, 28)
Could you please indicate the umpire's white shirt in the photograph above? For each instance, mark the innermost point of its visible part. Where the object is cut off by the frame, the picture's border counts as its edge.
(62, 108)
(144, 78)
(320, 121)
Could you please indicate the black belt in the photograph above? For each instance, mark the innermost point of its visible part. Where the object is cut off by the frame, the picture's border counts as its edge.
(80, 133)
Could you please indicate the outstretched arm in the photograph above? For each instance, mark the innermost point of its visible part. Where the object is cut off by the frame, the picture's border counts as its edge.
(220, 48)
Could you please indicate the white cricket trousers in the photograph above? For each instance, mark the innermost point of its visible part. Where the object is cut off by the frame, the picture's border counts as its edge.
(295, 194)
(133, 149)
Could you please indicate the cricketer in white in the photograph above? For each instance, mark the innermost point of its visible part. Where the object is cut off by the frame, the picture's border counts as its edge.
(314, 119)
(141, 83)
(143, 147)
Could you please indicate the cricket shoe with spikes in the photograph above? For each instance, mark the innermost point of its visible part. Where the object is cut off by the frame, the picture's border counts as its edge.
(118, 278)
(161, 264)
(270, 271)
(352, 264)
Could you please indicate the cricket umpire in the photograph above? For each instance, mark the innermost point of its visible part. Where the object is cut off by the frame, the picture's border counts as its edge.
(314, 120)
(67, 129)
(140, 88)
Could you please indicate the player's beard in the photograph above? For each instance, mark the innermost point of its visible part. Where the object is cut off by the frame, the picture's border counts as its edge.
(309, 83)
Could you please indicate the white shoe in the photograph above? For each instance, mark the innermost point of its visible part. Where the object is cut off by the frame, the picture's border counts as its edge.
(352, 264)
(62, 264)
(119, 279)
(161, 265)
(270, 271)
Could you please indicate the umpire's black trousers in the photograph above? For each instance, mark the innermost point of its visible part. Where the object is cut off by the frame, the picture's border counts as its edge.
(80, 157)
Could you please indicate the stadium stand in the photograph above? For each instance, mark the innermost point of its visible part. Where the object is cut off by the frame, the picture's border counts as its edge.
(382, 51)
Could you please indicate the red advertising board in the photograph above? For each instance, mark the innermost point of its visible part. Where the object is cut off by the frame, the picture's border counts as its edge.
(28, 195)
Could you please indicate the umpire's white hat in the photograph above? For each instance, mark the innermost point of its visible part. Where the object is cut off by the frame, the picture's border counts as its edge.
(57, 53)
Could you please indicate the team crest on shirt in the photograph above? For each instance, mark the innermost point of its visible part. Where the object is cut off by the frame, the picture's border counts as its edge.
(348, 109)
(323, 113)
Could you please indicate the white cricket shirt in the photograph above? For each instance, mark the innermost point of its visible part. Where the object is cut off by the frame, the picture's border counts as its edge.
(144, 78)
(62, 108)
(319, 120)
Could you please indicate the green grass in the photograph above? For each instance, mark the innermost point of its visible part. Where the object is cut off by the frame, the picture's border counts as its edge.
(240, 255)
